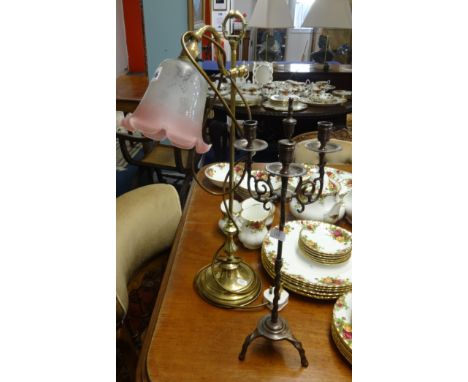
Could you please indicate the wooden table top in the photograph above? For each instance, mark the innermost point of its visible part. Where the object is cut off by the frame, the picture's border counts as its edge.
(190, 340)
(129, 91)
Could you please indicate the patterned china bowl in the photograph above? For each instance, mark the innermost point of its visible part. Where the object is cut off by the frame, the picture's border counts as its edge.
(217, 172)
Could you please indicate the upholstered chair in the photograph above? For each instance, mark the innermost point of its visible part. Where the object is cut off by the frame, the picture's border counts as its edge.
(146, 222)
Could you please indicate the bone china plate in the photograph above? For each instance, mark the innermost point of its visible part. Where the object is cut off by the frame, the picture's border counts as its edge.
(342, 326)
(301, 269)
(327, 239)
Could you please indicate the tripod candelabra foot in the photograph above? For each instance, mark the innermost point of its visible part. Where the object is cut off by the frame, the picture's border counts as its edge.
(274, 331)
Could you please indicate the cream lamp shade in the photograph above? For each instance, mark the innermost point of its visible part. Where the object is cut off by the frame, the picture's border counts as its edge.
(271, 14)
(329, 14)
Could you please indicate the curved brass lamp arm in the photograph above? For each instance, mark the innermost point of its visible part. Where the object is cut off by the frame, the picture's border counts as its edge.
(208, 80)
(233, 82)
(233, 14)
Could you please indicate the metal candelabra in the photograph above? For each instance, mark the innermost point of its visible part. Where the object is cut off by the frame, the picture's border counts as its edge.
(272, 326)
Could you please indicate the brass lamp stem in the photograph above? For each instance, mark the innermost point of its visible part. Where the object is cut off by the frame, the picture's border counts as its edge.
(227, 282)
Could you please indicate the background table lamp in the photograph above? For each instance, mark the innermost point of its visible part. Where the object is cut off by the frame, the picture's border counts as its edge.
(269, 14)
(328, 14)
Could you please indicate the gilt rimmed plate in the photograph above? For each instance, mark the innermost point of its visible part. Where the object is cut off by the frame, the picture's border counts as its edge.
(329, 285)
(326, 239)
(324, 259)
(297, 106)
(262, 73)
(342, 320)
(340, 346)
(301, 269)
(329, 101)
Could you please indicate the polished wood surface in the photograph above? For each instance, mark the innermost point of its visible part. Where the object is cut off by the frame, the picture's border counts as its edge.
(130, 89)
(190, 340)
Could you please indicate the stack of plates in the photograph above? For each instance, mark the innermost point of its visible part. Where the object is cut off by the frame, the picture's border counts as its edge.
(325, 243)
(300, 274)
(342, 326)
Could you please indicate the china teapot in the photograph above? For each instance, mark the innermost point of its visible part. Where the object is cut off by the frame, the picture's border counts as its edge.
(329, 207)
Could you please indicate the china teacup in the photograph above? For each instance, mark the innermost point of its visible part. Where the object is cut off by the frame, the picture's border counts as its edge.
(270, 208)
(253, 229)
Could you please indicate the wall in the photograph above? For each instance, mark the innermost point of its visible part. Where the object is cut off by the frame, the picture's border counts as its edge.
(165, 22)
(245, 6)
(121, 44)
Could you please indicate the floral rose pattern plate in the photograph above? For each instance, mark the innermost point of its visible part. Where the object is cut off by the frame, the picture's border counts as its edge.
(342, 318)
(327, 239)
(300, 268)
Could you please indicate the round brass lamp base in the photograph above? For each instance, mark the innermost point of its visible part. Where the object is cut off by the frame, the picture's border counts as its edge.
(236, 285)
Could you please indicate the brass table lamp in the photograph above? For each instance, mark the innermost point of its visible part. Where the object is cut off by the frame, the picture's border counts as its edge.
(227, 281)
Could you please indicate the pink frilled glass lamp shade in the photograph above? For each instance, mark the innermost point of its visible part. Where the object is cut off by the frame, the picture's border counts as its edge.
(173, 106)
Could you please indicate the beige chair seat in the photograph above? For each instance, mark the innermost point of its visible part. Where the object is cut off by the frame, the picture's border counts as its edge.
(146, 222)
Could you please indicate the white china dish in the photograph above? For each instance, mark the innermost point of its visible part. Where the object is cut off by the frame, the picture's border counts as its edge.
(326, 239)
(302, 270)
(323, 99)
(343, 319)
(262, 73)
(217, 172)
(271, 208)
